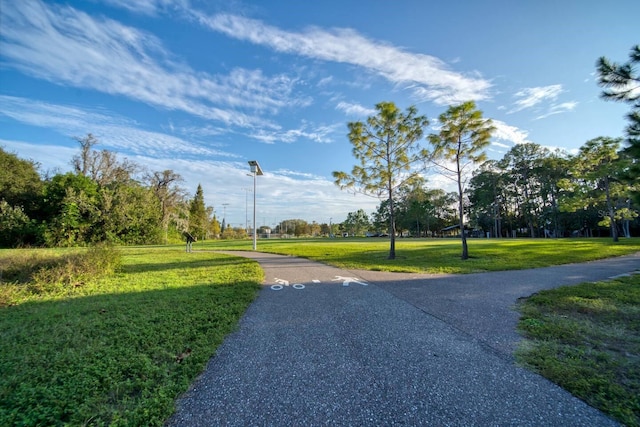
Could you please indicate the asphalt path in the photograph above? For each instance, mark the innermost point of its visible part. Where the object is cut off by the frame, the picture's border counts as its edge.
(327, 346)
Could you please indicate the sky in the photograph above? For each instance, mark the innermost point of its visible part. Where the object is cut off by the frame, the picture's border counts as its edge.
(203, 87)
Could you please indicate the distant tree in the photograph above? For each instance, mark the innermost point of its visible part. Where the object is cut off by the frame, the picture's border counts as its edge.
(462, 138)
(622, 83)
(357, 223)
(596, 169)
(386, 145)
(103, 167)
(486, 194)
(198, 221)
(297, 227)
(413, 208)
(215, 228)
(165, 186)
(15, 226)
(72, 207)
(84, 162)
(315, 229)
(20, 183)
(128, 215)
(301, 228)
(553, 168)
(524, 163)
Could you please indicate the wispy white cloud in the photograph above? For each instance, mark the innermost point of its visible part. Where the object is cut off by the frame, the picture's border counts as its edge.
(112, 131)
(355, 109)
(505, 132)
(68, 47)
(531, 96)
(500, 145)
(147, 7)
(558, 109)
(50, 158)
(427, 76)
(320, 134)
(305, 175)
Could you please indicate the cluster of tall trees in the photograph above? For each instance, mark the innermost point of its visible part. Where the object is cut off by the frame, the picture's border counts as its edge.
(539, 193)
(529, 189)
(532, 191)
(387, 147)
(104, 199)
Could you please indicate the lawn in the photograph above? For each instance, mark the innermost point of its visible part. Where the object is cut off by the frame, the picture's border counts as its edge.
(117, 349)
(113, 336)
(439, 255)
(586, 338)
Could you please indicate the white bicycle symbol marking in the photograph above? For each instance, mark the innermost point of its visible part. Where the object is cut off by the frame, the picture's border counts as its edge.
(281, 283)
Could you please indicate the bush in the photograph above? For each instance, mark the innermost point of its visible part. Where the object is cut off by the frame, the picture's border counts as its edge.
(50, 273)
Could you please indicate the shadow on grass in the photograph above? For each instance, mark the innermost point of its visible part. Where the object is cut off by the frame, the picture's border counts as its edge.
(218, 260)
(111, 357)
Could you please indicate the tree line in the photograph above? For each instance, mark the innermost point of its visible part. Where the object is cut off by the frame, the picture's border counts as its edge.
(529, 189)
(104, 199)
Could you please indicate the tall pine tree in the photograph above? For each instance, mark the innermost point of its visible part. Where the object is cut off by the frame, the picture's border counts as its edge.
(198, 221)
(386, 146)
(622, 83)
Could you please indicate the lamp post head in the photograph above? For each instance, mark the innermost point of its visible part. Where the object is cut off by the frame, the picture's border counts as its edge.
(255, 167)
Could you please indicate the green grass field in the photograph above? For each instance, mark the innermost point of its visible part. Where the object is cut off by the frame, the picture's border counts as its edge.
(586, 338)
(114, 337)
(116, 350)
(438, 255)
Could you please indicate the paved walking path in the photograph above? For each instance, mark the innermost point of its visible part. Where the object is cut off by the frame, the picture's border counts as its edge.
(326, 346)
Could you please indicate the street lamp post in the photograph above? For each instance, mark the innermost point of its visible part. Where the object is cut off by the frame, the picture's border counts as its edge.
(255, 171)
(246, 209)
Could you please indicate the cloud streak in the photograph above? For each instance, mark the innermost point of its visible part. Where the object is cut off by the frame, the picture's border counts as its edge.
(68, 47)
(355, 109)
(427, 76)
(505, 132)
(532, 96)
(558, 109)
(112, 131)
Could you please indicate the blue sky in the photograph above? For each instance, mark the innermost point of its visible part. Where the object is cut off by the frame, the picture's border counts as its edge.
(201, 87)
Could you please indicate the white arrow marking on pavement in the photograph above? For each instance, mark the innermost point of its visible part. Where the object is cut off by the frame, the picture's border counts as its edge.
(347, 280)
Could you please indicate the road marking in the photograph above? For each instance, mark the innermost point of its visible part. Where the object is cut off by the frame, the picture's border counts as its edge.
(348, 280)
(281, 283)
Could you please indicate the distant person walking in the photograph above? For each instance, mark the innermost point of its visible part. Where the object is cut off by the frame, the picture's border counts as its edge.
(190, 239)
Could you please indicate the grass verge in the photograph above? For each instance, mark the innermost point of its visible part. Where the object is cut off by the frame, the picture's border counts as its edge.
(116, 349)
(439, 255)
(586, 338)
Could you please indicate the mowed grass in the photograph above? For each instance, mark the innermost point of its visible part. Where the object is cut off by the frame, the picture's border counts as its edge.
(439, 255)
(116, 341)
(120, 348)
(586, 338)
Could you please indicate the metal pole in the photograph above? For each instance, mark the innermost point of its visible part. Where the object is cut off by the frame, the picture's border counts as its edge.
(255, 243)
(246, 210)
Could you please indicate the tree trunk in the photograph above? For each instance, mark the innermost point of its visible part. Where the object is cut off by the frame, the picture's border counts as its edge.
(614, 229)
(465, 249)
(392, 226)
